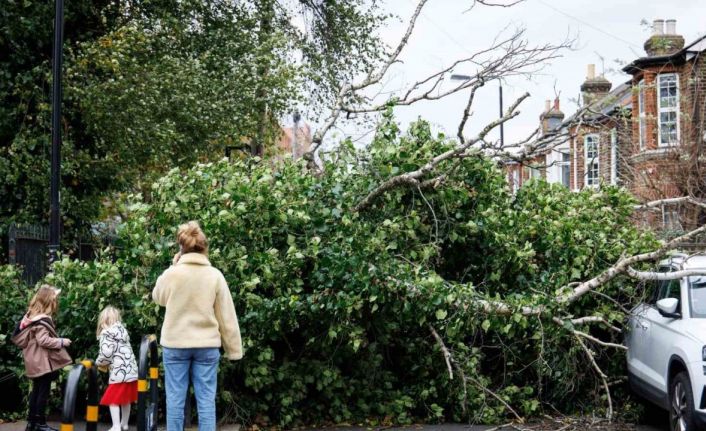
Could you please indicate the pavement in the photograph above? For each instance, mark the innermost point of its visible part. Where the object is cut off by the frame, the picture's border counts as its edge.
(20, 426)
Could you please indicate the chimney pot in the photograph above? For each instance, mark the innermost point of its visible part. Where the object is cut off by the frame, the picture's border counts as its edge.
(547, 105)
(658, 27)
(591, 72)
(671, 26)
(556, 104)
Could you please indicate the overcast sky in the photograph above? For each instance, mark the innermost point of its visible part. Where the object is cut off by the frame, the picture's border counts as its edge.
(606, 30)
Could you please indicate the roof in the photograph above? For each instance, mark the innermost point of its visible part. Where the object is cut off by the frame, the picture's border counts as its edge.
(619, 98)
(677, 58)
(684, 261)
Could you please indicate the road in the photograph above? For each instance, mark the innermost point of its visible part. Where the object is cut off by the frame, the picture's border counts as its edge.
(20, 426)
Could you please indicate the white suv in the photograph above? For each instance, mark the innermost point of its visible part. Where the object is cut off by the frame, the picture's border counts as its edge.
(666, 342)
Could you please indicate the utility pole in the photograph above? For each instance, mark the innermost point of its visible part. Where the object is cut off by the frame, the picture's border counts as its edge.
(55, 215)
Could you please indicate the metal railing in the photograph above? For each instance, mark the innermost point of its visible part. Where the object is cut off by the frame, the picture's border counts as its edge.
(67, 415)
(148, 394)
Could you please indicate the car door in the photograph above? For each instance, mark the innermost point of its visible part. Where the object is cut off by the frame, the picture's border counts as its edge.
(638, 336)
(663, 332)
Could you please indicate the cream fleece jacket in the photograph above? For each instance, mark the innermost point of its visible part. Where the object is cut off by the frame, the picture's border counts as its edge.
(200, 310)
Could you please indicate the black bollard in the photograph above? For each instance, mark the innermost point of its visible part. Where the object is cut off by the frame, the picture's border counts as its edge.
(148, 394)
(67, 414)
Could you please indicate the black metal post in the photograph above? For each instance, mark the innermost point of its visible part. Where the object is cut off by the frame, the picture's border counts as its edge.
(54, 224)
(296, 117)
(502, 129)
(148, 395)
(67, 413)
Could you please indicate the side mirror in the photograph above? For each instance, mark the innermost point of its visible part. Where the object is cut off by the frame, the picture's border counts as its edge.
(667, 307)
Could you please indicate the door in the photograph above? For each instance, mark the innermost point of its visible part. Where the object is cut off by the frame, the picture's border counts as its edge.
(638, 336)
(663, 333)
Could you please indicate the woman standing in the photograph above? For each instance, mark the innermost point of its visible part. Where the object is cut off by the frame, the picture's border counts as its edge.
(200, 317)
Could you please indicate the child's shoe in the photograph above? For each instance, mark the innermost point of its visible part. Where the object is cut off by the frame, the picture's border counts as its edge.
(44, 427)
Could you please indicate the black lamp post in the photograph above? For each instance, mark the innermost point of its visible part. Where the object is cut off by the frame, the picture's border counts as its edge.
(456, 77)
(55, 216)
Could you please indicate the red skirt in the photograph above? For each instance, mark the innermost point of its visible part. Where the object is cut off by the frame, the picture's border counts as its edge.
(120, 393)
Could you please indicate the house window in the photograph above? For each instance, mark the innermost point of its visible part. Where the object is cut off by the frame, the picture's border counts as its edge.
(590, 143)
(613, 156)
(670, 219)
(515, 180)
(668, 105)
(642, 114)
(535, 172)
(564, 167)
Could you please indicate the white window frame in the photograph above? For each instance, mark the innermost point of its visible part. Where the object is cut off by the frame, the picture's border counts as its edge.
(613, 156)
(535, 172)
(562, 164)
(642, 115)
(667, 109)
(670, 219)
(515, 179)
(594, 160)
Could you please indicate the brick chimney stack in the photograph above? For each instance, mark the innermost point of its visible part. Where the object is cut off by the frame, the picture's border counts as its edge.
(551, 118)
(664, 40)
(594, 87)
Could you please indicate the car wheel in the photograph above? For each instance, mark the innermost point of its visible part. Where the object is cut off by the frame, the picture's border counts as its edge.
(681, 404)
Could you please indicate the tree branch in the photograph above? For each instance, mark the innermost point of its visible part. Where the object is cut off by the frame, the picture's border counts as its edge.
(663, 276)
(413, 177)
(622, 265)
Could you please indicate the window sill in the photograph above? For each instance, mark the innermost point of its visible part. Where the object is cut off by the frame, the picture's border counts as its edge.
(653, 154)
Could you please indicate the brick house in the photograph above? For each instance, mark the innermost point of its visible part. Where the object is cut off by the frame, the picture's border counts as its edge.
(646, 134)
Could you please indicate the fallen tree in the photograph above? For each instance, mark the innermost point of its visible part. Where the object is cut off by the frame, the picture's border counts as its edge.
(459, 302)
(404, 281)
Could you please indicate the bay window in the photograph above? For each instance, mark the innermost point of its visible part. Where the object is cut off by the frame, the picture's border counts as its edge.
(591, 160)
(642, 118)
(668, 109)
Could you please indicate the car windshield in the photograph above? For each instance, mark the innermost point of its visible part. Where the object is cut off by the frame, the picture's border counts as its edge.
(697, 295)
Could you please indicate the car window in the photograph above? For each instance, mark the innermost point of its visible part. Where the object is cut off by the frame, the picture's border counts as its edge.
(669, 289)
(655, 288)
(697, 296)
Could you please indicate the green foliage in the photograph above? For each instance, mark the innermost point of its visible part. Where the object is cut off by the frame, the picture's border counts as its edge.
(14, 297)
(153, 85)
(336, 306)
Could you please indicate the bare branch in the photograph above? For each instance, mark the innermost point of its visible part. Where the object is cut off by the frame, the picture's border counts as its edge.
(658, 204)
(467, 111)
(663, 276)
(450, 360)
(413, 177)
(622, 265)
(347, 89)
(444, 351)
(491, 4)
(600, 373)
(595, 319)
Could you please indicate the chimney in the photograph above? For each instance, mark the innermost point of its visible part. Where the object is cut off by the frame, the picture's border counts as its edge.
(594, 87)
(657, 27)
(664, 41)
(552, 117)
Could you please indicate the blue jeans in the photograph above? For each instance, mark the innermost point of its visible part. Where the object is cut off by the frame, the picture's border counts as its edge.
(202, 365)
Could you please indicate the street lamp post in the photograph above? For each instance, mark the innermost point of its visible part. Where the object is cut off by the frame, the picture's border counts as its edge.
(55, 216)
(296, 117)
(457, 77)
